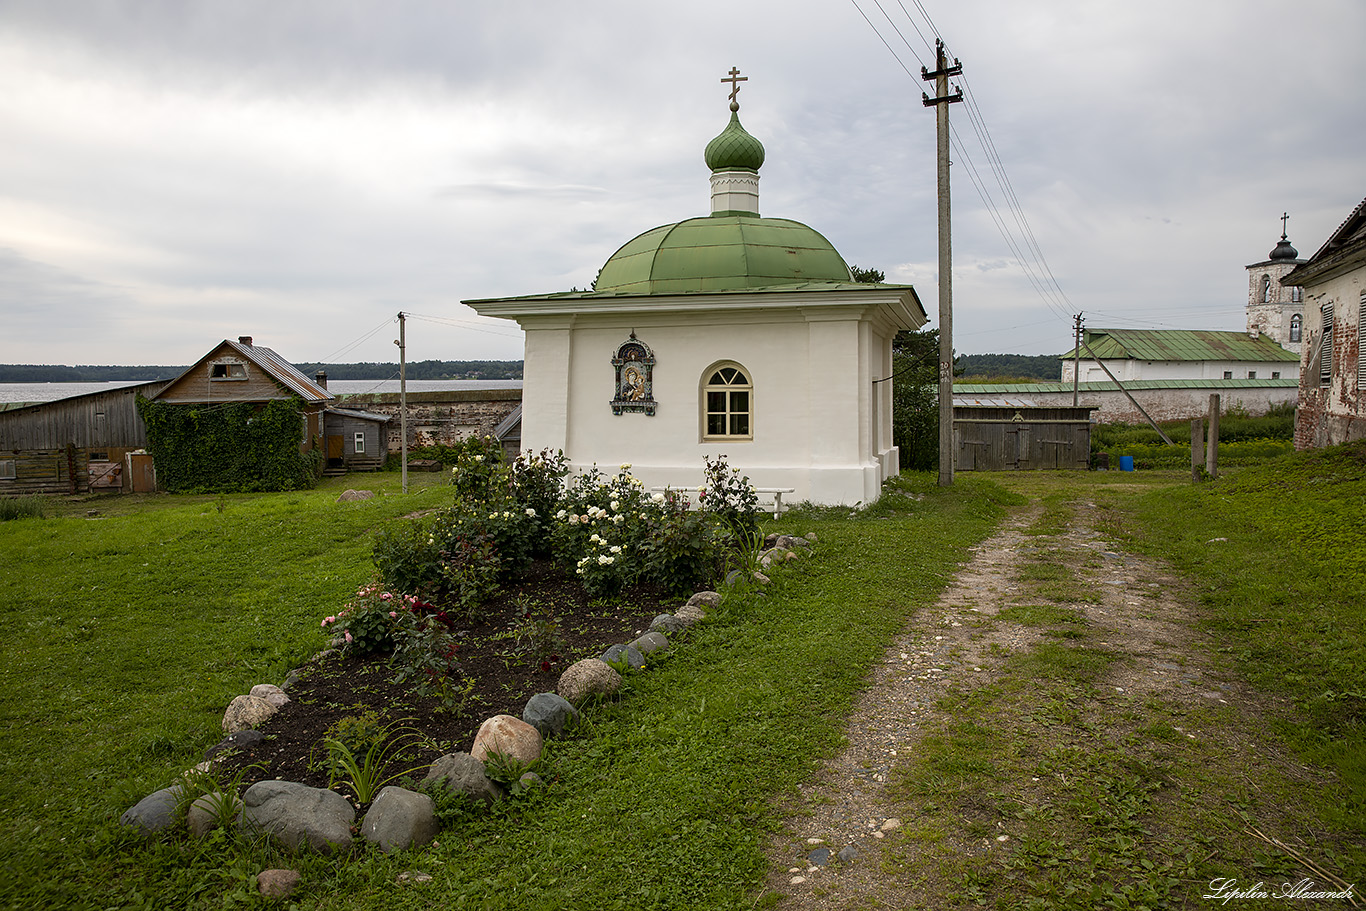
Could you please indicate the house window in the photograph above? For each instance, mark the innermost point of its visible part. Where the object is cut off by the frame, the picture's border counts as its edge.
(1275, 374)
(1296, 326)
(8, 470)
(728, 403)
(228, 371)
(1228, 374)
(1326, 347)
(1252, 374)
(360, 442)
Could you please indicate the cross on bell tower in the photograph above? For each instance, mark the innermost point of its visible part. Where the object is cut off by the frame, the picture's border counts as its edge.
(734, 78)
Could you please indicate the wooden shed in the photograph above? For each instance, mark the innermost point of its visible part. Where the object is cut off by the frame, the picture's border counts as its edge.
(77, 444)
(1009, 434)
(356, 440)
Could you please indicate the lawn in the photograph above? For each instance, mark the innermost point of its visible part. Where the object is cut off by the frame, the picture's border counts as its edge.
(129, 632)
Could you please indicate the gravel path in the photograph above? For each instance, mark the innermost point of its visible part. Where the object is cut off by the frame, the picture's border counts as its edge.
(830, 852)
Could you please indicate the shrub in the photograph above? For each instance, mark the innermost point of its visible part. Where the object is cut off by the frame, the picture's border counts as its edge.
(426, 658)
(730, 497)
(369, 620)
(31, 507)
(476, 466)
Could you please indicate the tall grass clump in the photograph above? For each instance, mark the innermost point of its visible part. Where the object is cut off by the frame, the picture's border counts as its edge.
(31, 507)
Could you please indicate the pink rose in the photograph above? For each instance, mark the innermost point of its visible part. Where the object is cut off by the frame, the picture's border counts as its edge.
(393, 613)
(348, 637)
(386, 596)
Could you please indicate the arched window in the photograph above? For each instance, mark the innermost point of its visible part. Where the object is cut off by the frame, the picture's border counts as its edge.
(1296, 294)
(1266, 289)
(1296, 327)
(727, 403)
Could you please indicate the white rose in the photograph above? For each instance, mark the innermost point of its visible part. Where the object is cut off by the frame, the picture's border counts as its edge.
(616, 548)
(531, 512)
(625, 466)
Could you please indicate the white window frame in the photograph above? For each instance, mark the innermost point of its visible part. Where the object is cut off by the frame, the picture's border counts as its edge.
(9, 470)
(358, 442)
(728, 387)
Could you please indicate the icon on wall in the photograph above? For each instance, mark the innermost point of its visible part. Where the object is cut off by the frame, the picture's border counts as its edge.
(635, 366)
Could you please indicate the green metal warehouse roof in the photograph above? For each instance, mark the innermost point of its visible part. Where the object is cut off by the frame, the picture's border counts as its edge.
(1181, 345)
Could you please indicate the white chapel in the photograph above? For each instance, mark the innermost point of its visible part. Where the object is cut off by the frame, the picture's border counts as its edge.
(724, 334)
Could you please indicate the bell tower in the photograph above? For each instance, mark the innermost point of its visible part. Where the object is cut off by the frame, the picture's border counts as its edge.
(1273, 309)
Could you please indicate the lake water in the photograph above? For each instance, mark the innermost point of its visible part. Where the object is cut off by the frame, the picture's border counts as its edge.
(47, 392)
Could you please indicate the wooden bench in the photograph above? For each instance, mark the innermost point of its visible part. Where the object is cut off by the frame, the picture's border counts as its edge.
(775, 492)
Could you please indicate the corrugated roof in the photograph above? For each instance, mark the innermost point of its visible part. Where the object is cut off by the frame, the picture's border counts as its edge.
(360, 415)
(1131, 385)
(282, 370)
(1181, 345)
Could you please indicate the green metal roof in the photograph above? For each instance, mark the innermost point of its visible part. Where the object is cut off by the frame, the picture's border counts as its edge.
(734, 149)
(723, 252)
(1131, 385)
(1181, 345)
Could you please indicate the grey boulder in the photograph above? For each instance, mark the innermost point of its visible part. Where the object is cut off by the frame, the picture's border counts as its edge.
(550, 714)
(616, 653)
(650, 643)
(154, 813)
(400, 819)
(461, 773)
(298, 816)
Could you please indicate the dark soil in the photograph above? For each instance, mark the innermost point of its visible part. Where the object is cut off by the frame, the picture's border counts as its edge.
(504, 678)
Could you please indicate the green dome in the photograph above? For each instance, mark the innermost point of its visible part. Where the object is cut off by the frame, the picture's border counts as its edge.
(734, 149)
(722, 253)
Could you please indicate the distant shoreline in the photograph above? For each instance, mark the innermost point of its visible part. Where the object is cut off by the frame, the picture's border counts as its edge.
(36, 393)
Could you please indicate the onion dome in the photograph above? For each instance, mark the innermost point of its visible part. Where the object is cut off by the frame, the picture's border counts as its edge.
(1283, 250)
(734, 149)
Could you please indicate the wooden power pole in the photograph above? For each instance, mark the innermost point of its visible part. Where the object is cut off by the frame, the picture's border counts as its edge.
(403, 397)
(941, 102)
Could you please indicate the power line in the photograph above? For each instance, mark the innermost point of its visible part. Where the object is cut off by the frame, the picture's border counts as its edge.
(1021, 240)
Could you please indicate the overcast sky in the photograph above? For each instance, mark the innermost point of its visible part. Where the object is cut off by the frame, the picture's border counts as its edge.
(176, 172)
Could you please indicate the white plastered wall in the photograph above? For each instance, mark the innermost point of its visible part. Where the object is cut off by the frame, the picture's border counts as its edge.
(819, 424)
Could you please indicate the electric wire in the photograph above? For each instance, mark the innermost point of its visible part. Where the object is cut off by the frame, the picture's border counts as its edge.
(1022, 240)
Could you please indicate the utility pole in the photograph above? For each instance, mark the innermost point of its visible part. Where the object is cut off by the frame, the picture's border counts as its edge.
(941, 102)
(1076, 357)
(403, 396)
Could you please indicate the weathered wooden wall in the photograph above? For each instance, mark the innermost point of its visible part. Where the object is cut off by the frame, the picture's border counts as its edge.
(1021, 439)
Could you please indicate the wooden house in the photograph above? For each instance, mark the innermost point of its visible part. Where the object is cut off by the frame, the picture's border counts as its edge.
(77, 444)
(240, 371)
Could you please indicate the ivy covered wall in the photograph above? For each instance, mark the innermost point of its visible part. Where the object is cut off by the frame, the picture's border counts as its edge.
(230, 447)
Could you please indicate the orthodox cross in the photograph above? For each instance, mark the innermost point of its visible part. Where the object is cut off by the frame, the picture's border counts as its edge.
(735, 79)
(1285, 216)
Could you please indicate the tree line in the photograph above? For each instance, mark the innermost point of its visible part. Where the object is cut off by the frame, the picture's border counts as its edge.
(417, 370)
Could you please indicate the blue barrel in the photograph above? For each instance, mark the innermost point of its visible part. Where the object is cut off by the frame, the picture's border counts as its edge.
(1126, 463)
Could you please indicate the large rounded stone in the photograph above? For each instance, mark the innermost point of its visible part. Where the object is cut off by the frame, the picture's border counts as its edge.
(689, 614)
(238, 740)
(650, 643)
(400, 819)
(615, 654)
(298, 816)
(550, 714)
(463, 774)
(270, 693)
(277, 884)
(508, 736)
(705, 600)
(153, 813)
(246, 712)
(589, 677)
(207, 811)
(667, 624)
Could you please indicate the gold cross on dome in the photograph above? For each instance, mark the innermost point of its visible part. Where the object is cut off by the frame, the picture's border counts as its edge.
(735, 79)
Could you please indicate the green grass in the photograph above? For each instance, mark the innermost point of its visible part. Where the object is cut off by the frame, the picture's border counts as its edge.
(1047, 788)
(128, 635)
(1278, 554)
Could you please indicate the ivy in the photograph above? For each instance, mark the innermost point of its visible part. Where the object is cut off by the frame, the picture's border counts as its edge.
(235, 447)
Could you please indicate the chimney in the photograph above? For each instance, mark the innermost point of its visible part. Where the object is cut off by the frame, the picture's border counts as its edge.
(244, 340)
(321, 378)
